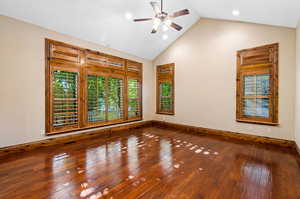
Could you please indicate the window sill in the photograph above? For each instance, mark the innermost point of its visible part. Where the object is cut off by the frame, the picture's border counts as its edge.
(165, 113)
(91, 127)
(258, 122)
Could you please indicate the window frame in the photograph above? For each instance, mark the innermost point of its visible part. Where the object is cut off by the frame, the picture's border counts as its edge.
(265, 61)
(161, 78)
(81, 64)
(98, 74)
(124, 97)
(139, 96)
(51, 100)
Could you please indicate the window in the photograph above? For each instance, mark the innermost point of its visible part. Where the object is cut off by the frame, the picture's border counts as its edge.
(65, 98)
(86, 89)
(96, 98)
(133, 98)
(165, 89)
(166, 101)
(115, 99)
(257, 85)
(134, 90)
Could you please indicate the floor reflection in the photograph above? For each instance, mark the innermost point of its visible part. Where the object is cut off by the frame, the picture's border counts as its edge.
(132, 155)
(114, 158)
(165, 154)
(60, 168)
(256, 179)
(95, 155)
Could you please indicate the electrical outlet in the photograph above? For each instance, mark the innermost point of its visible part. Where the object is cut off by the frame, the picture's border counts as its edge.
(43, 132)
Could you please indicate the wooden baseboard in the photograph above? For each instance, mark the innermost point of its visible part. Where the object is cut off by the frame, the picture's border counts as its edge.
(234, 135)
(298, 149)
(107, 132)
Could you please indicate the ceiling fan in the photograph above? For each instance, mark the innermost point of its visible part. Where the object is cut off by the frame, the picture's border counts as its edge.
(162, 17)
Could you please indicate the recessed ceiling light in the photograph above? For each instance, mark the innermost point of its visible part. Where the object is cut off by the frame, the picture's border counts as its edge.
(128, 15)
(235, 12)
(165, 37)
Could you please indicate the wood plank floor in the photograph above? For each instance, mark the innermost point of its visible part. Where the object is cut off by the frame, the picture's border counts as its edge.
(152, 163)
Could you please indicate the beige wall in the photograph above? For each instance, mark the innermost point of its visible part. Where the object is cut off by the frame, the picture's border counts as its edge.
(22, 79)
(297, 112)
(205, 75)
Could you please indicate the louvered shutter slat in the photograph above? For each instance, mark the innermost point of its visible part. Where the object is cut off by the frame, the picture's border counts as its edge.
(65, 98)
(96, 98)
(134, 109)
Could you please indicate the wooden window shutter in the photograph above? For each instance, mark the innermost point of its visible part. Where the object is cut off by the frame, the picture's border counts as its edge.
(165, 92)
(165, 89)
(115, 98)
(64, 99)
(134, 90)
(60, 51)
(257, 85)
(96, 98)
(89, 89)
(134, 99)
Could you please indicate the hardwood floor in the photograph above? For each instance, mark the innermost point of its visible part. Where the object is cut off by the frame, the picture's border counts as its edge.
(153, 163)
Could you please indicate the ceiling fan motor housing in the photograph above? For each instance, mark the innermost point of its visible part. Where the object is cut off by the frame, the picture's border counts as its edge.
(162, 16)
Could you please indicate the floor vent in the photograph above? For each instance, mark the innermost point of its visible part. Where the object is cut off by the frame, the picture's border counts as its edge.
(71, 142)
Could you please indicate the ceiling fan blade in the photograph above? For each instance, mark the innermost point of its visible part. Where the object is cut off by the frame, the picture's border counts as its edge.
(143, 19)
(154, 31)
(155, 7)
(156, 24)
(180, 13)
(155, 28)
(176, 26)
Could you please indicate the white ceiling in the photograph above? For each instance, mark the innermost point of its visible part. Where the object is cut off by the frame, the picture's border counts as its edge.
(104, 21)
(271, 12)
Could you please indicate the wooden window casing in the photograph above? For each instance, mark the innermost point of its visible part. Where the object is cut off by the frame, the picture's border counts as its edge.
(75, 99)
(165, 76)
(257, 85)
(134, 69)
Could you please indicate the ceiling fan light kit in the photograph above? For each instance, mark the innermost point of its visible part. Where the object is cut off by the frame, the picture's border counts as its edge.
(163, 18)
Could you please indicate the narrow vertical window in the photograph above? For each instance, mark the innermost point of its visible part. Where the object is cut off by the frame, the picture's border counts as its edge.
(96, 99)
(115, 98)
(65, 99)
(256, 95)
(133, 98)
(134, 90)
(257, 85)
(165, 89)
(166, 100)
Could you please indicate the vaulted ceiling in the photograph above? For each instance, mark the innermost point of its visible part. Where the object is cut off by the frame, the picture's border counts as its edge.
(104, 21)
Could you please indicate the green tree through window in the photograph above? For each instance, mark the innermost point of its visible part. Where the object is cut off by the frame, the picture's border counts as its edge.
(133, 98)
(115, 98)
(65, 106)
(165, 96)
(96, 98)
